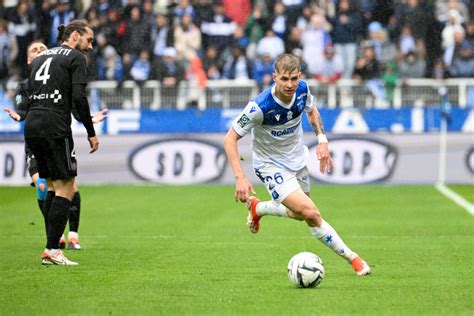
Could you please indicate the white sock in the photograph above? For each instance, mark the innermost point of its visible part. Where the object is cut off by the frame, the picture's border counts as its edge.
(328, 236)
(271, 208)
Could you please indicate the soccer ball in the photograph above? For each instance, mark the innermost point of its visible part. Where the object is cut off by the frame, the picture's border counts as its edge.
(306, 269)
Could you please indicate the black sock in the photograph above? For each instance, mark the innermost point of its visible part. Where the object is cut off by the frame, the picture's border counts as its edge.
(46, 207)
(57, 219)
(41, 205)
(75, 212)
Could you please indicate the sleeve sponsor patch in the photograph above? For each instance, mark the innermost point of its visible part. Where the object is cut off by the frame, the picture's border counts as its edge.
(243, 120)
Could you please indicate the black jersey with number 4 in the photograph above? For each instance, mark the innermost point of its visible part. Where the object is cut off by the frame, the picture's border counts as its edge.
(53, 74)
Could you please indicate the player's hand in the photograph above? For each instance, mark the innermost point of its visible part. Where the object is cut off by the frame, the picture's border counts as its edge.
(100, 116)
(243, 188)
(94, 143)
(326, 164)
(13, 115)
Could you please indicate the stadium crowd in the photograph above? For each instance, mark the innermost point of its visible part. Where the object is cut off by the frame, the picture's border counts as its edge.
(377, 41)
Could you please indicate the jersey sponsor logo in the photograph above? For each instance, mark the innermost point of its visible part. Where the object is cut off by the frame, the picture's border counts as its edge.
(253, 109)
(178, 161)
(357, 160)
(287, 131)
(56, 96)
(243, 120)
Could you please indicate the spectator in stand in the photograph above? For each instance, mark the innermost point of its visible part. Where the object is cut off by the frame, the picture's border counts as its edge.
(137, 34)
(255, 30)
(270, 44)
(470, 33)
(162, 36)
(443, 7)
(347, 27)
(107, 60)
(463, 64)
(330, 68)
(367, 69)
(237, 10)
(203, 11)
(211, 59)
(22, 25)
(453, 25)
(183, 8)
(453, 49)
(8, 51)
(148, 12)
(237, 66)
(406, 42)
(170, 73)
(219, 29)
(114, 30)
(141, 68)
(239, 38)
(187, 38)
(385, 51)
(390, 80)
(278, 20)
(61, 14)
(314, 39)
(262, 71)
(411, 66)
(303, 20)
(439, 70)
(293, 39)
(293, 9)
(419, 17)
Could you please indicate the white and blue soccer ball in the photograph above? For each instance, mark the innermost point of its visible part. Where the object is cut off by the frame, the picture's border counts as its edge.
(306, 269)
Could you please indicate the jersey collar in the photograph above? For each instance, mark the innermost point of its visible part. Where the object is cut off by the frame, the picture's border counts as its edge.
(280, 102)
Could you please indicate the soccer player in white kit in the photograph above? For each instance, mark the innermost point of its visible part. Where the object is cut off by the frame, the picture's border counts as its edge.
(280, 156)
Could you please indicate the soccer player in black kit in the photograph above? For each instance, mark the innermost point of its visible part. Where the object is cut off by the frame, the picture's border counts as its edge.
(22, 102)
(57, 81)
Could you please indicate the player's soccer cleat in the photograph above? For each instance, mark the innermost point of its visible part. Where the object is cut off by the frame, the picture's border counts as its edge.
(56, 257)
(253, 220)
(62, 242)
(360, 266)
(73, 241)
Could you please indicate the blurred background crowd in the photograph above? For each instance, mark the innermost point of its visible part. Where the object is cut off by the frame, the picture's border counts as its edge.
(170, 41)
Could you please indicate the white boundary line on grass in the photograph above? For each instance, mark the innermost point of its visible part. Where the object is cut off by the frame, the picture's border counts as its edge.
(456, 198)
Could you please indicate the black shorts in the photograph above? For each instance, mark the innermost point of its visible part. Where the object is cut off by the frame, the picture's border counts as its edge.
(55, 158)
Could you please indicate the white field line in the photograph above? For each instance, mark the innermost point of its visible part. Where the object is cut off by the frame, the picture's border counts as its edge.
(456, 198)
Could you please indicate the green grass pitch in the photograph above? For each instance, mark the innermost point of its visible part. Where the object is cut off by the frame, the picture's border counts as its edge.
(185, 250)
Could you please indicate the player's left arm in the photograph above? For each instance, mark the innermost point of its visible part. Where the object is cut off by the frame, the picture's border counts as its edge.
(326, 163)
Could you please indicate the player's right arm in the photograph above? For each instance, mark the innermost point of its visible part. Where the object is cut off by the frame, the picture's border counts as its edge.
(241, 126)
(243, 187)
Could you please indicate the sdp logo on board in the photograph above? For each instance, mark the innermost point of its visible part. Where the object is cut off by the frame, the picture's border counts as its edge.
(357, 160)
(178, 161)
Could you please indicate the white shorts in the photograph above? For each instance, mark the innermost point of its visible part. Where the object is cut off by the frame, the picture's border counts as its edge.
(281, 182)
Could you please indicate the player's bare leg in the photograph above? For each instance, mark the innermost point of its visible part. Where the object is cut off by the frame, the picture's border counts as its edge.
(302, 207)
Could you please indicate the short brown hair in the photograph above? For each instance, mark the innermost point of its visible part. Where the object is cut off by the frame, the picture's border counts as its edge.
(286, 63)
(64, 31)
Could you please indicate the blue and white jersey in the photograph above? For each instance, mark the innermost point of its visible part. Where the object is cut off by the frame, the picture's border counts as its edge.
(277, 134)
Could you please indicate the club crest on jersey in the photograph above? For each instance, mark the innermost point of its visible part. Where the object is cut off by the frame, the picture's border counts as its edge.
(244, 119)
(289, 115)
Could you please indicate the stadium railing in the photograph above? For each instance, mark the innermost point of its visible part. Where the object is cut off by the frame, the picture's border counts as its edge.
(346, 93)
